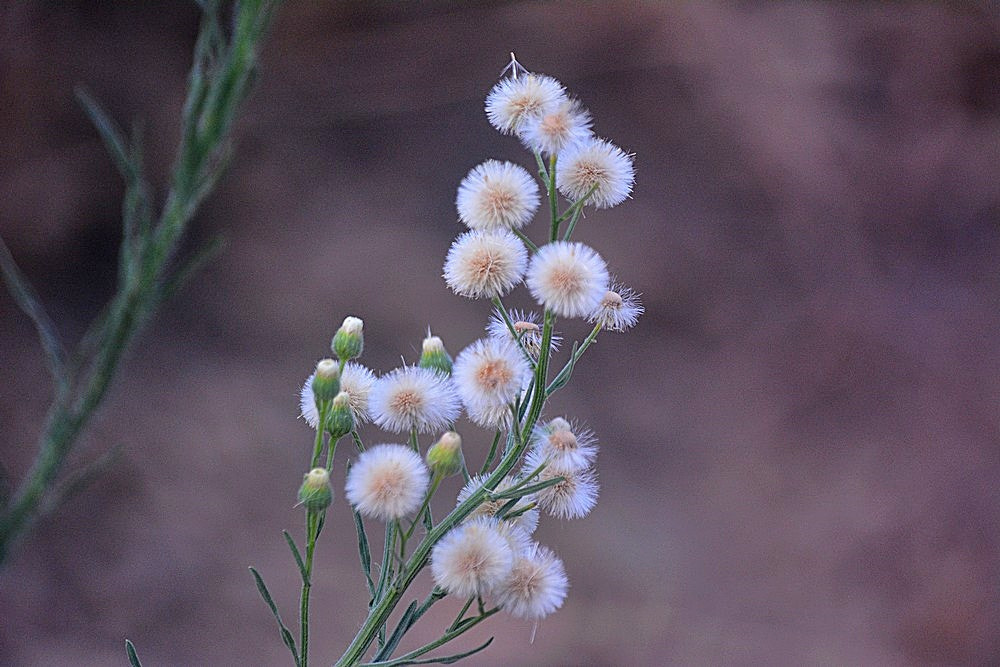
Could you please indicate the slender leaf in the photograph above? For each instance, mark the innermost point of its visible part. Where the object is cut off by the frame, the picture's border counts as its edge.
(365, 553)
(286, 636)
(133, 657)
(297, 556)
(444, 660)
(393, 641)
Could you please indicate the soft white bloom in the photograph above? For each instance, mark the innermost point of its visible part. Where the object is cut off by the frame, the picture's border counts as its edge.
(412, 397)
(472, 559)
(618, 310)
(497, 195)
(490, 373)
(387, 482)
(356, 380)
(599, 163)
(490, 417)
(571, 498)
(568, 278)
(565, 124)
(528, 327)
(564, 445)
(513, 99)
(537, 584)
(485, 264)
(526, 521)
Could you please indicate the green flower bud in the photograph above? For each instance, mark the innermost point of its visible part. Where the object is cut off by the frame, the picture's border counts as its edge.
(340, 421)
(349, 340)
(434, 356)
(326, 381)
(315, 492)
(445, 456)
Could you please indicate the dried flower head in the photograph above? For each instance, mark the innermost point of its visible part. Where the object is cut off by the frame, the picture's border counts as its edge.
(387, 482)
(515, 98)
(618, 310)
(527, 326)
(596, 165)
(536, 586)
(472, 559)
(356, 380)
(564, 124)
(568, 278)
(497, 195)
(485, 264)
(564, 445)
(526, 519)
(490, 373)
(571, 498)
(412, 397)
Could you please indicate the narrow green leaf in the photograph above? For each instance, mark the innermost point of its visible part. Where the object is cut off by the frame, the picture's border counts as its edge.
(108, 131)
(133, 657)
(286, 636)
(444, 660)
(364, 552)
(397, 634)
(297, 556)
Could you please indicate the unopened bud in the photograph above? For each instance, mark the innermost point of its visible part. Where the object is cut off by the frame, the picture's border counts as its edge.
(315, 492)
(445, 456)
(340, 421)
(434, 356)
(349, 340)
(326, 381)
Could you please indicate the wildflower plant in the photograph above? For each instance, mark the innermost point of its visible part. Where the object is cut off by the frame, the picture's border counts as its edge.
(526, 467)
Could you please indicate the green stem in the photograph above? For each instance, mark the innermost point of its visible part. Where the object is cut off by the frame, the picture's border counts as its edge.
(323, 409)
(553, 199)
(591, 337)
(492, 453)
(423, 507)
(312, 523)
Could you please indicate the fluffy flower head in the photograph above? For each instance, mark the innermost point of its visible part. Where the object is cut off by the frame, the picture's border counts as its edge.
(536, 586)
(564, 445)
(497, 195)
(527, 326)
(412, 397)
(472, 559)
(526, 521)
(387, 482)
(564, 124)
(485, 264)
(356, 380)
(490, 373)
(599, 165)
(573, 497)
(569, 278)
(618, 310)
(515, 98)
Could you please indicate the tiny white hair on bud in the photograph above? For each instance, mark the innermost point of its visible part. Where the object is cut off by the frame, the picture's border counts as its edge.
(472, 559)
(356, 380)
(387, 482)
(497, 195)
(485, 264)
(490, 373)
(353, 325)
(537, 584)
(564, 445)
(566, 123)
(526, 521)
(599, 165)
(412, 397)
(515, 98)
(568, 278)
(571, 498)
(619, 308)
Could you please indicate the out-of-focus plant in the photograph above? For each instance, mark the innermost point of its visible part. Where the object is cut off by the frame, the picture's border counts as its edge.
(482, 552)
(225, 63)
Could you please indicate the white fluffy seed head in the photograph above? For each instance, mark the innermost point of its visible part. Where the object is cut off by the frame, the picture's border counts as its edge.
(472, 559)
(490, 417)
(599, 165)
(568, 278)
(356, 380)
(412, 397)
(387, 482)
(526, 521)
(490, 373)
(618, 310)
(497, 195)
(565, 445)
(485, 264)
(513, 99)
(563, 125)
(528, 327)
(537, 585)
(571, 498)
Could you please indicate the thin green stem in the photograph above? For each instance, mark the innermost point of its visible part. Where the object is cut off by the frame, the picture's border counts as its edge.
(492, 453)
(528, 242)
(323, 410)
(591, 337)
(312, 528)
(553, 199)
(461, 613)
(423, 507)
(498, 304)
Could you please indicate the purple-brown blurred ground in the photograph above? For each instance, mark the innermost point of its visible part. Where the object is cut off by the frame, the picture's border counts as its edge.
(800, 441)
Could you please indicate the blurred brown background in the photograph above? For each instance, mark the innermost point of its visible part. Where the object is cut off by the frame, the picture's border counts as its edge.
(800, 455)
